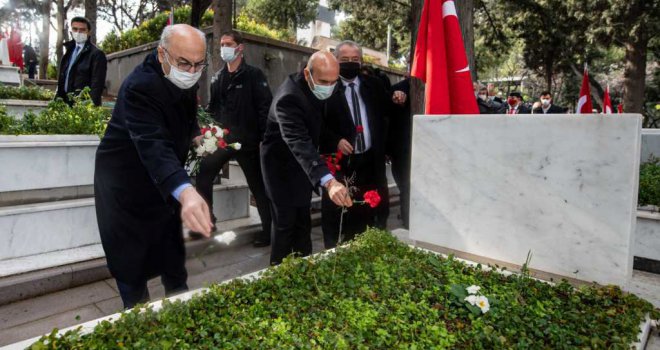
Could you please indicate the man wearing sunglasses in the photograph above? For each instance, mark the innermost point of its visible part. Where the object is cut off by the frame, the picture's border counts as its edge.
(143, 193)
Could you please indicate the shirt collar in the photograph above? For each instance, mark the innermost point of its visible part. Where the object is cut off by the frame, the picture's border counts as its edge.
(355, 81)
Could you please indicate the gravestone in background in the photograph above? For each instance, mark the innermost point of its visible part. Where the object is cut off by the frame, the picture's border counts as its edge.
(563, 187)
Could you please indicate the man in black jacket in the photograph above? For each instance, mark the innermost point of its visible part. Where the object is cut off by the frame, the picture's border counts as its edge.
(399, 144)
(292, 166)
(83, 65)
(356, 125)
(547, 107)
(240, 98)
(142, 191)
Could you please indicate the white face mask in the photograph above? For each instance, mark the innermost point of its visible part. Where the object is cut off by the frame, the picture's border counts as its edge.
(183, 80)
(483, 97)
(228, 54)
(322, 92)
(545, 102)
(80, 38)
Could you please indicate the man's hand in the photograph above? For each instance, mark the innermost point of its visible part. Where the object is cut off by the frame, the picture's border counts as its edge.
(399, 97)
(338, 193)
(345, 147)
(195, 212)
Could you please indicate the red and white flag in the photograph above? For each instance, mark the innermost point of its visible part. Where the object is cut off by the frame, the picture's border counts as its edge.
(584, 103)
(170, 19)
(440, 61)
(607, 103)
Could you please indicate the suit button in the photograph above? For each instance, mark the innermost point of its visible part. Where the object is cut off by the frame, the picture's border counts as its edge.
(315, 163)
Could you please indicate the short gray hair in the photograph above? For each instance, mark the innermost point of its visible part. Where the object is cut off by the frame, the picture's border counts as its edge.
(171, 29)
(347, 43)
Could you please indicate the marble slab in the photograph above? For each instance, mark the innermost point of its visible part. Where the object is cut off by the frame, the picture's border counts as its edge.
(9, 75)
(650, 144)
(561, 187)
(647, 236)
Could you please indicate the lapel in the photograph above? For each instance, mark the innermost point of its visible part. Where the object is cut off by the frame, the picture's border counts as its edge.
(344, 104)
(84, 49)
(368, 103)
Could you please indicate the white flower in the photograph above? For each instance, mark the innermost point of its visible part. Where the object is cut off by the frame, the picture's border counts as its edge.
(200, 150)
(473, 289)
(210, 145)
(236, 146)
(472, 299)
(208, 134)
(226, 237)
(482, 303)
(219, 134)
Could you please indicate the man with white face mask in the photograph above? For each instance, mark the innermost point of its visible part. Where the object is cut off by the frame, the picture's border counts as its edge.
(547, 107)
(83, 65)
(142, 192)
(239, 101)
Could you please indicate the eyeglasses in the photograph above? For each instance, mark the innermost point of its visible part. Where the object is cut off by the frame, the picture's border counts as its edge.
(184, 65)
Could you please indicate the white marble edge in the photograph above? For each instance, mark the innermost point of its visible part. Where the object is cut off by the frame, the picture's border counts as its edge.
(46, 206)
(88, 327)
(48, 138)
(26, 103)
(647, 131)
(35, 144)
(648, 215)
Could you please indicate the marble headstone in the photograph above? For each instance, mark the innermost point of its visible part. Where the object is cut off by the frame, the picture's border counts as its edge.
(650, 144)
(563, 187)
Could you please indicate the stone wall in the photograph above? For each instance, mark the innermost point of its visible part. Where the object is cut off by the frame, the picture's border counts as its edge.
(276, 58)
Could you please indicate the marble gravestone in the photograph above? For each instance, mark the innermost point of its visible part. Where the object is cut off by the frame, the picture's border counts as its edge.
(561, 186)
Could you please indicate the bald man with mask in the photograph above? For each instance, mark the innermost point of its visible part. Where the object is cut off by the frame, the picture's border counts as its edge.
(143, 193)
(292, 166)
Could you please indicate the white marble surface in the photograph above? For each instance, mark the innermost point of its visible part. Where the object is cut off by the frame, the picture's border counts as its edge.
(650, 144)
(46, 162)
(9, 75)
(51, 259)
(647, 236)
(17, 108)
(562, 187)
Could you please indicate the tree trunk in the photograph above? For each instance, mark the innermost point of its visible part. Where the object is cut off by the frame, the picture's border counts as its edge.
(90, 14)
(197, 11)
(416, 85)
(221, 23)
(44, 38)
(465, 10)
(61, 31)
(634, 76)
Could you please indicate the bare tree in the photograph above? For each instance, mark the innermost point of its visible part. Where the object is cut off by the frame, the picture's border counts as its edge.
(90, 14)
(126, 14)
(44, 38)
(222, 14)
(197, 10)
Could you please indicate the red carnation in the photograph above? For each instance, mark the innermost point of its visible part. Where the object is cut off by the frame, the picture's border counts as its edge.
(214, 131)
(372, 198)
(222, 144)
(359, 129)
(204, 130)
(339, 156)
(225, 131)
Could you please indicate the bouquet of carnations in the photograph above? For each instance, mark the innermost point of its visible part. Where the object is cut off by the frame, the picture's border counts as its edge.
(212, 139)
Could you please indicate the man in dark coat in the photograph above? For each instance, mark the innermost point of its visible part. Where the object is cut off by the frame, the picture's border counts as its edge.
(83, 64)
(141, 187)
(514, 105)
(399, 144)
(547, 107)
(486, 104)
(356, 125)
(240, 99)
(292, 166)
(30, 59)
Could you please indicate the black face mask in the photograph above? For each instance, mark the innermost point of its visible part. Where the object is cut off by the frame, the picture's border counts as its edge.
(349, 70)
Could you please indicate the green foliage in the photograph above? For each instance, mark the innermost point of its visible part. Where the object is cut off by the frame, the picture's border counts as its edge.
(25, 93)
(150, 30)
(377, 293)
(649, 183)
(59, 118)
(51, 71)
(282, 14)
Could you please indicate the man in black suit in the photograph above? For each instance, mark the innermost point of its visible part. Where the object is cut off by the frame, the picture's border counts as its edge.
(356, 125)
(547, 107)
(142, 191)
(399, 144)
(514, 104)
(83, 65)
(291, 164)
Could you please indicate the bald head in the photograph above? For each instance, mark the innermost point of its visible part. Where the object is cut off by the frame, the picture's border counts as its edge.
(182, 44)
(322, 66)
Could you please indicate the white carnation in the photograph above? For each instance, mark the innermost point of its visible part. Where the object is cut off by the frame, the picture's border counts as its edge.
(210, 146)
(220, 133)
(208, 134)
(472, 299)
(482, 303)
(226, 237)
(200, 151)
(236, 146)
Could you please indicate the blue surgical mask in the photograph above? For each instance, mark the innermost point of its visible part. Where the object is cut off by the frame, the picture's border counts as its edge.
(322, 92)
(228, 54)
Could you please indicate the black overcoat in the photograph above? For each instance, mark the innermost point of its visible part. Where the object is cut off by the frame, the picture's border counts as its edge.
(139, 163)
(88, 70)
(291, 165)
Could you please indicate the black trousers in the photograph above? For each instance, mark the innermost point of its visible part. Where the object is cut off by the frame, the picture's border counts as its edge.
(361, 170)
(250, 163)
(401, 174)
(292, 227)
(133, 294)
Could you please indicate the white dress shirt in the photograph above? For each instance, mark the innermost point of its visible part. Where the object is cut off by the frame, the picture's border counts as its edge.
(363, 109)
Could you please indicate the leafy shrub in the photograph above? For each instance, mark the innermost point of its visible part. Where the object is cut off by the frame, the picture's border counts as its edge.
(649, 183)
(60, 118)
(25, 93)
(377, 293)
(150, 30)
(51, 71)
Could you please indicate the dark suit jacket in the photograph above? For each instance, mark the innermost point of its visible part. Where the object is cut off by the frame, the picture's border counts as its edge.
(339, 124)
(139, 162)
(89, 69)
(554, 109)
(291, 165)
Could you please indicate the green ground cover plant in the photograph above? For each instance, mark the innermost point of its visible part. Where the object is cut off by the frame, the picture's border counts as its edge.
(25, 93)
(649, 183)
(376, 293)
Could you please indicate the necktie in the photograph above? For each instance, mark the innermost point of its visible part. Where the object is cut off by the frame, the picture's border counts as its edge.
(357, 120)
(68, 69)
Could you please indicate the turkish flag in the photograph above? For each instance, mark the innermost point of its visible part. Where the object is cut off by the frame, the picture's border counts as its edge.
(607, 103)
(440, 61)
(584, 103)
(15, 48)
